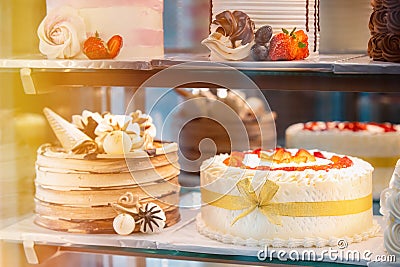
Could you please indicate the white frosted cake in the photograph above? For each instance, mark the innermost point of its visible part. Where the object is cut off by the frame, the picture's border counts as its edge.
(107, 176)
(288, 14)
(70, 22)
(379, 144)
(286, 198)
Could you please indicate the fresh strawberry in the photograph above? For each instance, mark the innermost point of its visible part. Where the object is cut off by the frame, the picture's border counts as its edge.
(300, 44)
(280, 47)
(114, 45)
(95, 48)
(289, 46)
(319, 155)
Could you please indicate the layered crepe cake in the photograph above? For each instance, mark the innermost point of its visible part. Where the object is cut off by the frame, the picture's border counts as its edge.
(286, 198)
(376, 143)
(108, 175)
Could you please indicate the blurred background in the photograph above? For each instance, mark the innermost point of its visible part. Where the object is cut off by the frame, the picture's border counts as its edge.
(23, 128)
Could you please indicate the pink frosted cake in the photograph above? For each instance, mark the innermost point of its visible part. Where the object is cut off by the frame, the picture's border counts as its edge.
(70, 22)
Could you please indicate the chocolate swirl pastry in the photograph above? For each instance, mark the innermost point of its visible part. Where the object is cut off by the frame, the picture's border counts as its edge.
(391, 4)
(236, 25)
(375, 46)
(378, 21)
(391, 47)
(377, 4)
(393, 20)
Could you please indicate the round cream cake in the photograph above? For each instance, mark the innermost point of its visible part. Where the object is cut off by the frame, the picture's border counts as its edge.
(378, 144)
(286, 198)
(107, 175)
(75, 193)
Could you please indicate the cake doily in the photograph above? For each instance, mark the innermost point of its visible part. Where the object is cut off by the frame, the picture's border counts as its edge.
(284, 243)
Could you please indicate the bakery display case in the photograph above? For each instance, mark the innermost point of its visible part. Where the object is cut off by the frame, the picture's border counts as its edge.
(71, 85)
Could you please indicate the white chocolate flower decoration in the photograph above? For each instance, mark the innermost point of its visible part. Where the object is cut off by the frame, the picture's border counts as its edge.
(62, 33)
(87, 122)
(145, 122)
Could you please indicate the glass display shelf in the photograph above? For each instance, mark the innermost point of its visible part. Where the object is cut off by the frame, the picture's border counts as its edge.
(345, 72)
(181, 242)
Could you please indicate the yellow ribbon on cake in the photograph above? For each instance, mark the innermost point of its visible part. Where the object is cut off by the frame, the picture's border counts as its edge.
(249, 201)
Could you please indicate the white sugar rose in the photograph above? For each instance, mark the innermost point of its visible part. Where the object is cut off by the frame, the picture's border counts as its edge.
(62, 33)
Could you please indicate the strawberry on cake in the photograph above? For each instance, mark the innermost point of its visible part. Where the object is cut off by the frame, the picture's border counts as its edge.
(286, 198)
(377, 143)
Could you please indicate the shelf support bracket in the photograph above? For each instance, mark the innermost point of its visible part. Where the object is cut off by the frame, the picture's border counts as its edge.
(30, 253)
(27, 81)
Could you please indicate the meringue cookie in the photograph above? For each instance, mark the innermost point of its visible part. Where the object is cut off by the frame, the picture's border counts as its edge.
(124, 224)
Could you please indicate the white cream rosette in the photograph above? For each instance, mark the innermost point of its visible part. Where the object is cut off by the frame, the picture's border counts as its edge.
(390, 208)
(62, 33)
(390, 197)
(221, 48)
(392, 239)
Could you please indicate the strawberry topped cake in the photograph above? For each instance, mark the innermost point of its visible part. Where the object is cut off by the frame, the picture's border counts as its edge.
(286, 198)
(377, 143)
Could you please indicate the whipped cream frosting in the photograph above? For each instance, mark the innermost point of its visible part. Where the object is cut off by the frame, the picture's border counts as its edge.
(62, 33)
(218, 169)
(232, 36)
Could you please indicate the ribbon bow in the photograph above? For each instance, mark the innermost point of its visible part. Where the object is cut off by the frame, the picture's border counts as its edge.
(263, 201)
